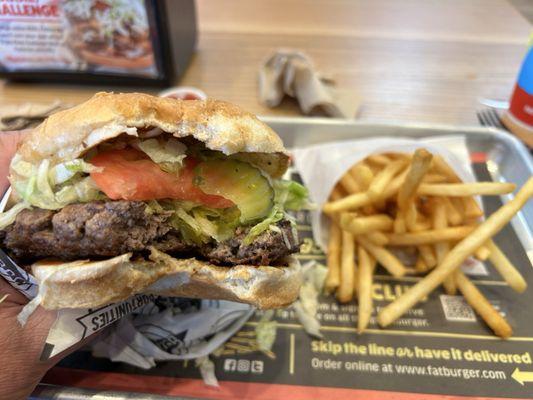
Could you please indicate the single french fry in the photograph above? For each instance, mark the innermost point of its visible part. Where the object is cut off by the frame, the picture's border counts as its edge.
(434, 178)
(453, 215)
(411, 216)
(364, 292)
(378, 159)
(482, 306)
(363, 225)
(443, 168)
(450, 286)
(465, 189)
(471, 208)
(482, 253)
(356, 273)
(456, 256)
(363, 175)
(420, 265)
(420, 164)
(346, 217)
(345, 289)
(395, 156)
(351, 202)
(383, 178)
(458, 205)
(426, 253)
(429, 236)
(399, 223)
(337, 193)
(349, 183)
(378, 238)
(442, 248)
(505, 268)
(333, 259)
(421, 226)
(383, 256)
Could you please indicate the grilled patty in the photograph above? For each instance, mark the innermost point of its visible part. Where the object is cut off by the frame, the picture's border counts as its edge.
(111, 228)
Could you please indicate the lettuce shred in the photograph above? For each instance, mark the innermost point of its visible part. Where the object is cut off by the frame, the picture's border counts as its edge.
(168, 154)
(305, 308)
(266, 331)
(8, 217)
(53, 187)
(207, 370)
(198, 224)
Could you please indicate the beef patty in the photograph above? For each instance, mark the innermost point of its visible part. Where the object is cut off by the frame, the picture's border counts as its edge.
(111, 228)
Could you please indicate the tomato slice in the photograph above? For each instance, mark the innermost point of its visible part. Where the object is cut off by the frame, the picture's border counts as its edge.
(129, 174)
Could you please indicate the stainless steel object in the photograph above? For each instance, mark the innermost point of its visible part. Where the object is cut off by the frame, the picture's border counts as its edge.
(506, 157)
(490, 117)
(494, 103)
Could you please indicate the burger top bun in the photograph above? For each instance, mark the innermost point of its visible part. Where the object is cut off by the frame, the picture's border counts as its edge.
(219, 125)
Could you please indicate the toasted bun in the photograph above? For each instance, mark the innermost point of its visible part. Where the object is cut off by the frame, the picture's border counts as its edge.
(86, 284)
(221, 126)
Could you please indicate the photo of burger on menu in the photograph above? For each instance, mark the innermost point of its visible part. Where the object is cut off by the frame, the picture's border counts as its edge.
(109, 33)
(134, 42)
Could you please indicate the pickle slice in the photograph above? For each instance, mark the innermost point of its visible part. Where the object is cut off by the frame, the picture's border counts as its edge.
(239, 182)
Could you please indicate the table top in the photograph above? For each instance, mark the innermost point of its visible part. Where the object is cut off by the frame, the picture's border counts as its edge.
(415, 60)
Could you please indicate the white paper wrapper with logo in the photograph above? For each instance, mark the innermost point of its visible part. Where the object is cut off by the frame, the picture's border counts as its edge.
(321, 166)
(172, 329)
(216, 320)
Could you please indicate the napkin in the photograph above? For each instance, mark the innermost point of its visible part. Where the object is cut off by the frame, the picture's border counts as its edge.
(28, 115)
(292, 73)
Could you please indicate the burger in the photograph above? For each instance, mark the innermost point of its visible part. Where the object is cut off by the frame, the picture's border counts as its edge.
(110, 33)
(130, 193)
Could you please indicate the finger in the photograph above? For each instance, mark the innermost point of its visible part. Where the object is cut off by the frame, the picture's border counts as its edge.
(8, 146)
(14, 297)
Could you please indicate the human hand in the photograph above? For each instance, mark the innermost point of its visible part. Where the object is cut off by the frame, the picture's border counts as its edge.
(20, 367)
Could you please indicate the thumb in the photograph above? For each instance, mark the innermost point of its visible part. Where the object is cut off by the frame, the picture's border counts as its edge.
(8, 146)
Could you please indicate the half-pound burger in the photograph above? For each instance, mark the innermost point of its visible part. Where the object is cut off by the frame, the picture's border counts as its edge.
(130, 193)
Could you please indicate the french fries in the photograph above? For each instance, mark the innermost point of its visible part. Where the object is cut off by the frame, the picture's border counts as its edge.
(456, 256)
(383, 178)
(418, 205)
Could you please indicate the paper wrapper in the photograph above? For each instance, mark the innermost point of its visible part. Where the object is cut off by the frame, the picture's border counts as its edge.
(321, 166)
(172, 329)
(142, 339)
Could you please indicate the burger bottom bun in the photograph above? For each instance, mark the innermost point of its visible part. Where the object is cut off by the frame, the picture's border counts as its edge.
(90, 284)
